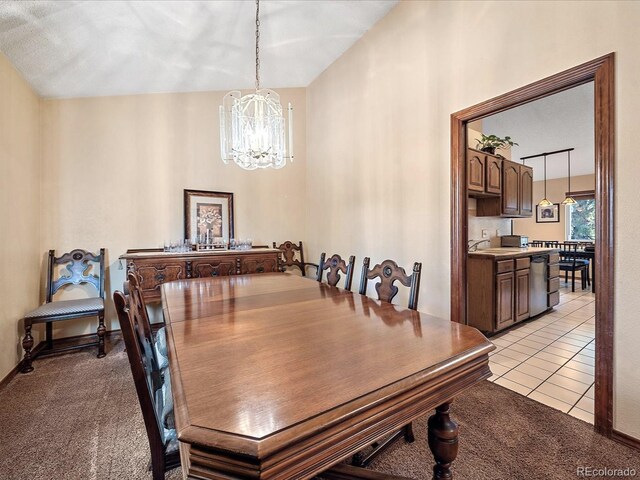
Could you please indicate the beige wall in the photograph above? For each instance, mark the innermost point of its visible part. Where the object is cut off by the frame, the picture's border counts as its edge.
(556, 190)
(20, 254)
(114, 170)
(379, 136)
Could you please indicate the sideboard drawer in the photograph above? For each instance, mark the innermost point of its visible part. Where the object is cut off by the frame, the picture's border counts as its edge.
(152, 275)
(257, 264)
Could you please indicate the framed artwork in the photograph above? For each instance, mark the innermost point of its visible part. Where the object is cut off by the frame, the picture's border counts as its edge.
(550, 214)
(208, 215)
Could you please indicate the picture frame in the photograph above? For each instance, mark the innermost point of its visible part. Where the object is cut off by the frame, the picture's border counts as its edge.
(550, 214)
(208, 215)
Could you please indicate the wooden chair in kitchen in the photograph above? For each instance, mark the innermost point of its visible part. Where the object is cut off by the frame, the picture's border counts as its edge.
(292, 255)
(153, 386)
(388, 273)
(335, 264)
(78, 265)
(536, 243)
(570, 261)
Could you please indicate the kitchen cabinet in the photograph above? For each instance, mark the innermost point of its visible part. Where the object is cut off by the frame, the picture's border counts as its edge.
(516, 199)
(499, 288)
(511, 189)
(155, 268)
(484, 174)
(553, 280)
(505, 289)
(526, 191)
(522, 282)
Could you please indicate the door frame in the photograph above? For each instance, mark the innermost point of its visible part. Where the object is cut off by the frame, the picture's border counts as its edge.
(601, 72)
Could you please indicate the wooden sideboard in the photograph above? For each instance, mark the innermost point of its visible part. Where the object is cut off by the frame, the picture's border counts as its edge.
(155, 268)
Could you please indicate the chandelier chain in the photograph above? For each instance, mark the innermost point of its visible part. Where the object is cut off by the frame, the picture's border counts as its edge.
(257, 45)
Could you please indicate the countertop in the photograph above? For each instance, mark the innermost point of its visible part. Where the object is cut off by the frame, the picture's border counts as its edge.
(509, 252)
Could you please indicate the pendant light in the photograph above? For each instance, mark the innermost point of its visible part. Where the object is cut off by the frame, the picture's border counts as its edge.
(252, 128)
(544, 202)
(569, 200)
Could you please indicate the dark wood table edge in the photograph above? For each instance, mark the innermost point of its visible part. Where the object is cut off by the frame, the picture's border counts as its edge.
(341, 440)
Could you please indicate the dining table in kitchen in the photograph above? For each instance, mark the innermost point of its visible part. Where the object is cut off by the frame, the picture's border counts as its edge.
(276, 376)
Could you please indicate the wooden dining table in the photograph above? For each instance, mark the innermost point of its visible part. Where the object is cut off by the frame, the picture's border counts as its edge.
(276, 376)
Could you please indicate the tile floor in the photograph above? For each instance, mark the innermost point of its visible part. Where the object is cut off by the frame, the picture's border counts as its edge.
(551, 359)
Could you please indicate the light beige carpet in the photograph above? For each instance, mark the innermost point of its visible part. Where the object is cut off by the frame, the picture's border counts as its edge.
(77, 417)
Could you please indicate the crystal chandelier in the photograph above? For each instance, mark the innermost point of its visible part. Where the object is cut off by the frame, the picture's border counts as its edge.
(252, 128)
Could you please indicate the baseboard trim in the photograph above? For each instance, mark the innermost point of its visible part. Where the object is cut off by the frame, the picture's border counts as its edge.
(625, 439)
(9, 376)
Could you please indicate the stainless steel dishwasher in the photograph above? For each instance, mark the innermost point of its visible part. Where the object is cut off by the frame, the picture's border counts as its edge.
(538, 284)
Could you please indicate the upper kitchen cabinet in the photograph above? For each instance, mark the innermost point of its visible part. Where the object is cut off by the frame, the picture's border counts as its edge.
(526, 191)
(516, 199)
(484, 174)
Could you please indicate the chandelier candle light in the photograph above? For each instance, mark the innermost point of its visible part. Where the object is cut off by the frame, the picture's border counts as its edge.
(252, 128)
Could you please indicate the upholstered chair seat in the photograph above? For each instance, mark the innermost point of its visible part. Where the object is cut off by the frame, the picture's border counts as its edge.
(66, 307)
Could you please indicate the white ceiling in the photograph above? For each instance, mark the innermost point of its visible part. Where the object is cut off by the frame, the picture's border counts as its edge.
(560, 121)
(95, 48)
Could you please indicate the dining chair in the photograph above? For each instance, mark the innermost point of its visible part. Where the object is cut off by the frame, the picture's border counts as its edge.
(570, 261)
(78, 267)
(292, 255)
(153, 387)
(159, 340)
(388, 272)
(536, 243)
(335, 265)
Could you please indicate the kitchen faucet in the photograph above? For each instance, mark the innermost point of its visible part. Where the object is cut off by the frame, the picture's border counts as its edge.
(474, 246)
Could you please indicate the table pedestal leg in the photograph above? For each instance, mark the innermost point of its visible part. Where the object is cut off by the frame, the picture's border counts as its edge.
(443, 442)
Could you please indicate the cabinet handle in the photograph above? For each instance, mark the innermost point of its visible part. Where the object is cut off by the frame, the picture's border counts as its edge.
(159, 277)
(260, 269)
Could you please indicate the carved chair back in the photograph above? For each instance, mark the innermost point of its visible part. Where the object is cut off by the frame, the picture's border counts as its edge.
(137, 306)
(78, 263)
(389, 272)
(335, 265)
(146, 375)
(289, 252)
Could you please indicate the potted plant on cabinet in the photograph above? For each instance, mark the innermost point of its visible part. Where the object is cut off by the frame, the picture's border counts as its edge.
(489, 143)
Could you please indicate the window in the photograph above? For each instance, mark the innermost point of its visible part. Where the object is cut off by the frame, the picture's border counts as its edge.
(581, 217)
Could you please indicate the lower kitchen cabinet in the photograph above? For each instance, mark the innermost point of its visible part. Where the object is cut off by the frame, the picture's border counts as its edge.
(505, 288)
(523, 280)
(499, 290)
(553, 280)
